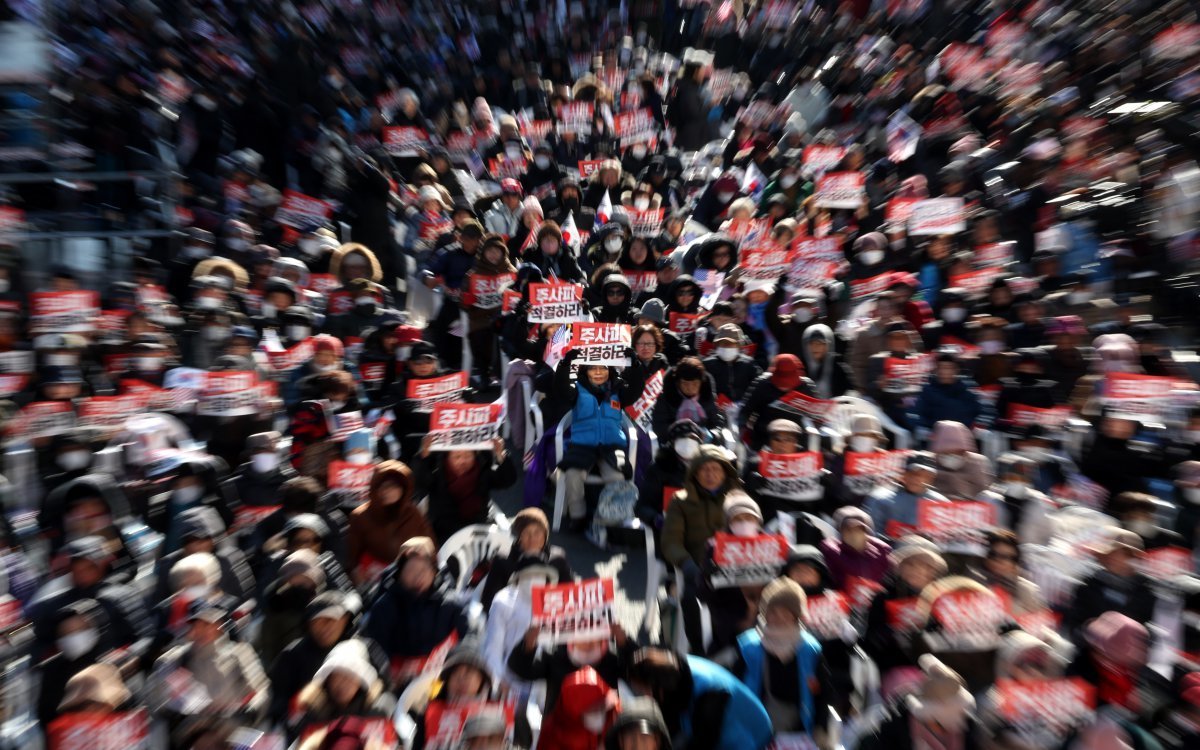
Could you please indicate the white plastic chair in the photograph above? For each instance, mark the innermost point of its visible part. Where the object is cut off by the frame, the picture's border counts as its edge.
(414, 698)
(839, 418)
(593, 479)
(470, 546)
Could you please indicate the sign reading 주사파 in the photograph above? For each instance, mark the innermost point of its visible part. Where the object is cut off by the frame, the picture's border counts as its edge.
(636, 126)
(765, 262)
(573, 612)
(487, 291)
(937, 216)
(63, 312)
(1130, 393)
(404, 141)
(815, 261)
(298, 210)
(841, 189)
(464, 427)
(639, 411)
(646, 223)
(601, 343)
(793, 476)
(229, 394)
(350, 480)
(956, 521)
(742, 561)
(555, 303)
(440, 390)
(576, 117)
(122, 730)
(969, 620)
(1041, 713)
(827, 615)
(865, 471)
(821, 159)
(445, 720)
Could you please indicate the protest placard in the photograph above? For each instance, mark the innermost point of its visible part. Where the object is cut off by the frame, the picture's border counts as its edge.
(641, 281)
(403, 669)
(486, 291)
(864, 289)
(88, 730)
(465, 427)
(976, 283)
(1043, 713)
(509, 300)
(760, 114)
(860, 592)
(64, 312)
(576, 117)
(936, 216)
(841, 189)
(745, 561)
(994, 255)
(907, 375)
(828, 615)
(284, 358)
(863, 472)
(534, 131)
(589, 167)
(640, 411)
(505, 167)
(635, 126)
(41, 419)
(813, 408)
(764, 263)
(601, 343)
(815, 261)
(573, 612)
(298, 210)
(821, 159)
(555, 303)
(955, 521)
(965, 65)
(230, 394)
(969, 620)
(905, 615)
(1021, 415)
(646, 223)
(899, 210)
(1136, 395)
(107, 412)
(1179, 42)
(792, 476)
(1164, 563)
(440, 390)
(711, 284)
(404, 141)
(684, 323)
(445, 720)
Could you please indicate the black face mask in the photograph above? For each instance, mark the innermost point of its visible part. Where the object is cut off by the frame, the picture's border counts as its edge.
(570, 204)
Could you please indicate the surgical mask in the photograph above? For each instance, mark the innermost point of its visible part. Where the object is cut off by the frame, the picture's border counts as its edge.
(638, 151)
(73, 460)
(216, 333)
(360, 458)
(237, 244)
(641, 204)
(61, 360)
(75, 645)
(788, 180)
(1016, 490)
(334, 405)
(268, 310)
(402, 353)
(594, 722)
(309, 247)
(208, 303)
(613, 244)
(686, 448)
(744, 528)
(197, 251)
(1192, 495)
(586, 657)
(952, 461)
(542, 162)
(194, 592)
(189, 494)
(1142, 528)
(861, 444)
(297, 333)
(992, 346)
(781, 642)
(1079, 298)
(871, 257)
(365, 301)
(149, 364)
(803, 314)
(724, 197)
(728, 353)
(264, 462)
(954, 314)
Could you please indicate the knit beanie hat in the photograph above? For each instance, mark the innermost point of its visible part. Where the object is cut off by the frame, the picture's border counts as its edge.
(786, 594)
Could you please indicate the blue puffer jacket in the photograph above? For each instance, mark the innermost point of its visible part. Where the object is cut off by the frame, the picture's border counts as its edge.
(955, 402)
(596, 422)
(746, 725)
(808, 653)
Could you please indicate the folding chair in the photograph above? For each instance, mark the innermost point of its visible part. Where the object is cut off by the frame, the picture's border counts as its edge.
(593, 479)
(469, 547)
(838, 420)
(414, 697)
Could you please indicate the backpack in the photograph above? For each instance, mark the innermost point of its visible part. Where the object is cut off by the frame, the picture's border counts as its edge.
(615, 507)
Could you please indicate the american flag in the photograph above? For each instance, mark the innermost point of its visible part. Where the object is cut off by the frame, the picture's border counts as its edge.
(903, 133)
(341, 425)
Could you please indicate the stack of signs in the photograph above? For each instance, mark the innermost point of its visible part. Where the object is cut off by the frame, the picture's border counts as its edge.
(41, 419)
(970, 620)
(815, 261)
(640, 411)
(646, 223)
(864, 472)
(440, 390)
(85, 730)
(635, 126)
(747, 561)
(487, 291)
(937, 216)
(573, 612)
(1140, 396)
(827, 616)
(63, 312)
(792, 476)
(465, 427)
(576, 117)
(404, 141)
(232, 394)
(602, 343)
(907, 375)
(955, 522)
(821, 159)
(841, 190)
(763, 265)
(1051, 418)
(445, 720)
(1044, 713)
(555, 303)
(298, 210)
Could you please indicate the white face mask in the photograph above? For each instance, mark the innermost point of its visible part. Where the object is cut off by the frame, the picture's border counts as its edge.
(268, 310)
(309, 247)
(594, 722)
(1016, 490)
(871, 257)
(237, 244)
(613, 244)
(686, 448)
(402, 353)
(952, 461)
(542, 162)
(993, 346)
(297, 333)
(194, 592)
(365, 301)
(73, 460)
(803, 314)
(215, 333)
(744, 528)
(586, 657)
(208, 303)
(149, 364)
(728, 353)
(954, 314)
(724, 197)
(641, 204)
(788, 180)
(75, 645)
(862, 444)
(1142, 528)
(335, 405)
(781, 642)
(61, 360)
(189, 494)
(264, 462)
(1192, 495)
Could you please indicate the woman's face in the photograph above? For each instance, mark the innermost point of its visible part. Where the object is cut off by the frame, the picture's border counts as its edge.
(710, 476)
(645, 347)
(532, 539)
(918, 573)
(417, 575)
(464, 682)
(689, 388)
(459, 462)
(493, 255)
(638, 252)
(597, 375)
(685, 296)
(818, 348)
(722, 257)
(342, 686)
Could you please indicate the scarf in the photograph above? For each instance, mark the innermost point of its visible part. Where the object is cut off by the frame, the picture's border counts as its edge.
(690, 408)
(463, 489)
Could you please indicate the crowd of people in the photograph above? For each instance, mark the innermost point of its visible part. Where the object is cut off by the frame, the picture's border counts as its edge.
(870, 317)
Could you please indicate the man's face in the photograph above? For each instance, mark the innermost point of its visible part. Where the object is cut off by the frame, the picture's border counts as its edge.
(917, 481)
(470, 243)
(510, 201)
(203, 633)
(947, 372)
(423, 368)
(326, 631)
(417, 575)
(784, 442)
(667, 274)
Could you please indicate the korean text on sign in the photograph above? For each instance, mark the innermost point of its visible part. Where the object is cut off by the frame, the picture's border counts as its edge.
(463, 427)
(573, 612)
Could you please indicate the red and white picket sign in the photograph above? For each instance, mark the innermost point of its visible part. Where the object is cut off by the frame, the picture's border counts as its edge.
(639, 411)
(1179, 42)
(899, 210)
(821, 159)
(641, 281)
(860, 592)
(506, 167)
(969, 619)
(108, 412)
(576, 117)
(465, 427)
(1166, 562)
(994, 255)
(1041, 713)
(404, 669)
(404, 141)
(297, 210)
(976, 283)
(935, 216)
(86, 730)
(589, 167)
(764, 262)
(816, 409)
(63, 312)
(841, 190)
(1053, 418)
(827, 615)
(535, 131)
(965, 65)
(793, 476)
(573, 612)
(863, 472)
(646, 223)
(555, 303)
(684, 323)
(439, 390)
(864, 289)
(1141, 395)
(955, 521)
(445, 720)
(486, 291)
(602, 343)
(231, 394)
(287, 359)
(635, 126)
(742, 561)
(905, 615)
(907, 375)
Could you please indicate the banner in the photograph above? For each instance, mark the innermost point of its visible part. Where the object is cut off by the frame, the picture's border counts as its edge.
(1042, 713)
(684, 323)
(298, 210)
(815, 261)
(576, 117)
(640, 411)
(573, 612)
(828, 615)
(41, 419)
(635, 126)
(936, 216)
(555, 303)
(821, 159)
(746, 561)
(863, 472)
(792, 476)
(63, 312)
(404, 141)
(602, 343)
(465, 427)
(486, 292)
(764, 263)
(445, 720)
(440, 390)
(841, 190)
(646, 223)
(85, 730)
(956, 521)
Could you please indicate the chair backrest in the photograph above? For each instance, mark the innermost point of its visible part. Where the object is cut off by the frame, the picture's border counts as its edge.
(414, 698)
(838, 419)
(1056, 573)
(462, 554)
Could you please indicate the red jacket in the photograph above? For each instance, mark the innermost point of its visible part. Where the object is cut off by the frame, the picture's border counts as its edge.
(582, 692)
